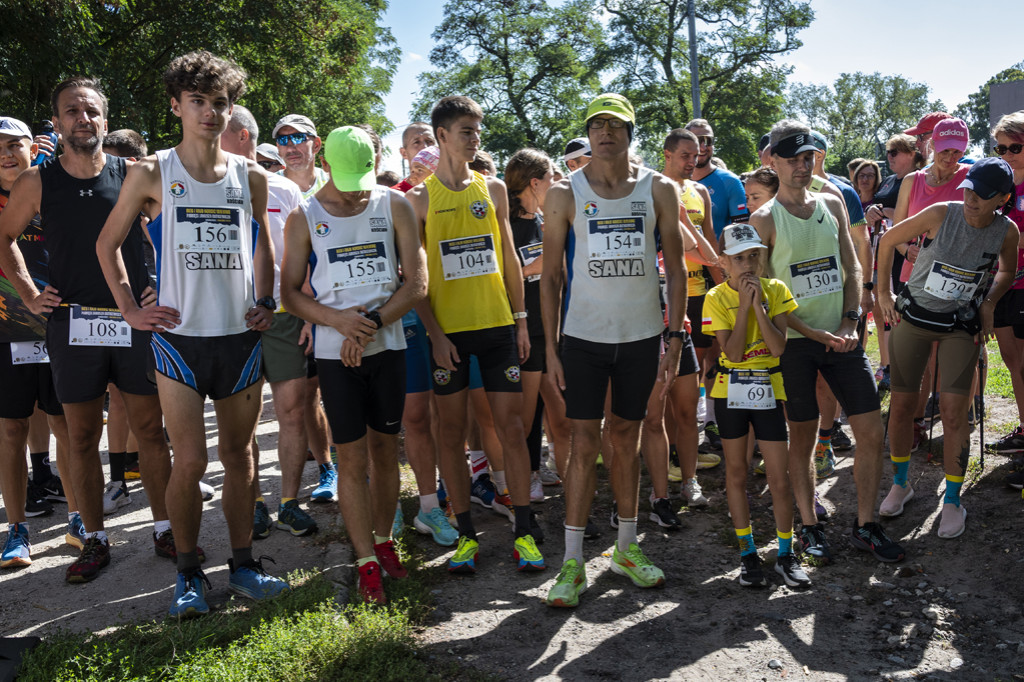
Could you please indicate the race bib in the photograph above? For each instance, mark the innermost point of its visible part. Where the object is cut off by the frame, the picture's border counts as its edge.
(468, 257)
(530, 253)
(29, 352)
(358, 265)
(98, 327)
(615, 238)
(751, 389)
(950, 283)
(206, 230)
(815, 277)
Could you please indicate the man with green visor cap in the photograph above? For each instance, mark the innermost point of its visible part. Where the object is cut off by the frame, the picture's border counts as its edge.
(602, 220)
(358, 236)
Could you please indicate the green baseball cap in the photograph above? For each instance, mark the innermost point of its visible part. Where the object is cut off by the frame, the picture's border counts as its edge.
(349, 153)
(612, 104)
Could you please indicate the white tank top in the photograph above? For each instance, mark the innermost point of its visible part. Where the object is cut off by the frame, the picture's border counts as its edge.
(354, 262)
(283, 195)
(204, 244)
(612, 259)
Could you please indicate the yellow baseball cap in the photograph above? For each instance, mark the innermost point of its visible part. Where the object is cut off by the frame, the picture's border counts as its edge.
(349, 153)
(614, 105)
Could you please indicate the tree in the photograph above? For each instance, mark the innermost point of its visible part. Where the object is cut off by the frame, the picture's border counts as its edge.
(741, 86)
(975, 111)
(328, 59)
(532, 68)
(858, 113)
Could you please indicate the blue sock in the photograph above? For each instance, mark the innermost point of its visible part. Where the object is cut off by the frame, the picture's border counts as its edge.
(746, 538)
(785, 542)
(901, 468)
(953, 485)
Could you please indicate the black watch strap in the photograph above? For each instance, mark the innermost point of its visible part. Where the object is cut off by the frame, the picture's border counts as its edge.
(374, 316)
(267, 302)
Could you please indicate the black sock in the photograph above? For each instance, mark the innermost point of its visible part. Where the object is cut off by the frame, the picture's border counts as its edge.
(465, 523)
(241, 557)
(117, 461)
(132, 459)
(522, 512)
(824, 433)
(188, 562)
(40, 467)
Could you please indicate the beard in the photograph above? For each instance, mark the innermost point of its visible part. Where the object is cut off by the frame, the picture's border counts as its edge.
(88, 145)
(704, 163)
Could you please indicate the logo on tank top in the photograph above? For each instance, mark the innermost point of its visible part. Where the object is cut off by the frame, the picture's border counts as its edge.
(322, 229)
(590, 209)
(378, 224)
(233, 195)
(638, 207)
(512, 374)
(478, 209)
(442, 377)
(177, 189)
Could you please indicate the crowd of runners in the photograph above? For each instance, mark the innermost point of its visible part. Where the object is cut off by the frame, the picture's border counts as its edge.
(517, 331)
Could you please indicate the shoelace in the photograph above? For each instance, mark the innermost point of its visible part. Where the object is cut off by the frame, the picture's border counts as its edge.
(638, 558)
(189, 587)
(92, 546)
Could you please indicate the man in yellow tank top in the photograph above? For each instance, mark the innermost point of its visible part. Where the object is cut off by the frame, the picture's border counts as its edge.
(475, 307)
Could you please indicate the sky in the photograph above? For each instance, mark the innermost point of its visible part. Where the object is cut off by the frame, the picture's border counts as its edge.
(927, 43)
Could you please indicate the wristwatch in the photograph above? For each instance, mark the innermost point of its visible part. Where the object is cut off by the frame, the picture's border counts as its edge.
(519, 316)
(374, 316)
(869, 285)
(267, 302)
(852, 315)
(677, 335)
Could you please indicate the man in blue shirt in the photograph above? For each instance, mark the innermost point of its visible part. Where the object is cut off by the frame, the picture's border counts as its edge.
(728, 200)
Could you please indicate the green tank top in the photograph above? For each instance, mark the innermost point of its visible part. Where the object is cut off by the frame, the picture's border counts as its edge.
(806, 258)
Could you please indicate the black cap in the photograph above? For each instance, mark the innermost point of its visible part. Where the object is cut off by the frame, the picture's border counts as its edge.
(989, 177)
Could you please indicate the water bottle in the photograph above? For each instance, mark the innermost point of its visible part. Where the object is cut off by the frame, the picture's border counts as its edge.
(46, 129)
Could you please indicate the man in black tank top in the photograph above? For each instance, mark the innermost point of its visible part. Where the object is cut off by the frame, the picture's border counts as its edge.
(90, 345)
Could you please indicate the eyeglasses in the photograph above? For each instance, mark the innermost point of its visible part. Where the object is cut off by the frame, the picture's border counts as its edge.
(892, 153)
(267, 165)
(293, 138)
(596, 123)
(924, 136)
(706, 140)
(1002, 149)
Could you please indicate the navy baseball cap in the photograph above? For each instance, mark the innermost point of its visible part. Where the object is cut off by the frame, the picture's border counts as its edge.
(989, 177)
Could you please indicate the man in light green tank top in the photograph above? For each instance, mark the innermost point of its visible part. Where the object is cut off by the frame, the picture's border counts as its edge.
(810, 249)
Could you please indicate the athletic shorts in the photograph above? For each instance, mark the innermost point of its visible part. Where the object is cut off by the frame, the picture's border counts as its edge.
(632, 369)
(81, 373)
(370, 395)
(417, 358)
(695, 313)
(1009, 312)
(283, 357)
(768, 425)
(849, 375)
(537, 362)
(496, 351)
(310, 367)
(909, 352)
(24, 386)
(688, 358)
(213, 366)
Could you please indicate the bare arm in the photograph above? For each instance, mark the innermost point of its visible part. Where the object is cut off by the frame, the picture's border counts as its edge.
(708, 230)
(666, 206)
(1002, 282)
(22, 206)
(512, 271)
(558, 221)
(413, 259)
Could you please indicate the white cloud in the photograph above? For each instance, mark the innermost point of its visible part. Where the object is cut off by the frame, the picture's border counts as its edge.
(413, 57)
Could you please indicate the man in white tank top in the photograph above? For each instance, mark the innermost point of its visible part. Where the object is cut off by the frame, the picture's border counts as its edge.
(356, 234)
(602, 219)
(208, 344)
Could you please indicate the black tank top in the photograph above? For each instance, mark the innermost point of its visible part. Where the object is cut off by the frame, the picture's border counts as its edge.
(73, 212)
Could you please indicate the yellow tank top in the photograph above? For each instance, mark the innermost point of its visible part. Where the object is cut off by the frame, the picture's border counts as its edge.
(696, 285)
(464, 258)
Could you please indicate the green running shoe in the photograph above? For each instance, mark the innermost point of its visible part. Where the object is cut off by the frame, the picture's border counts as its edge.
(634, 565)
(569, 585)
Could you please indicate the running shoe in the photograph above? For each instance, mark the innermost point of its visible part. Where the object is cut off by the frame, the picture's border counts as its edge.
(536, 488)
(712, 439)
(548, 476)
(388, 559)
(694, 494)
(526, 554)
(788, 566)
(94, 557)
(840, 441)
(634, 565)
(435, 523)
(35, 501)
(751, 571)
(975, 412)
(894, 502)
(464, 559)
(327, 489)
(190, 596)
(536, 530)
(569, 585)
(52, 490)
(206, 491)
(163, 545)
(17, 550)
(708, 460)
(115, 496)
(819, 508)
(482, 491)
(131, 471)
(292, 518)
(252, 582)
(662, 514)
(442, 494)
(613, 518)
(813, 542)
(931, 408)
(884, 381)
(1016, 480)
(871, 538)
(371, 585)
(759, 469)
(953, 521)
(675, 474)
(591, 531)
(261, 522)
(76, 531)
(824, 460)
(398, 523)
(920, 434)
(1009, 444)
(502, 505)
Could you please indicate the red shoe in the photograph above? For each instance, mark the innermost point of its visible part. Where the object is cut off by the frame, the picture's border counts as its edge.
(163, 545)
(388, 559)
(95, 555)
(371, 587)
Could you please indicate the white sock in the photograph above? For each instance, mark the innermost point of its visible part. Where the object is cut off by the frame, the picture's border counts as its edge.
(627, 533)
(161, 526)
(100, 535)
(574, 543)
(499, 482)
(709, 412)
(477, 463)
(428, 502)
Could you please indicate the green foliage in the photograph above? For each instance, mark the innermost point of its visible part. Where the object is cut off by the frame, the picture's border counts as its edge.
(858, 113)
(328, 59)
(531, 67)
(975, 111)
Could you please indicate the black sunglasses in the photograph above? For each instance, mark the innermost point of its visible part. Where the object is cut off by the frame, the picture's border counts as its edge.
(267, 165)
(1001, 149)
(892, 152)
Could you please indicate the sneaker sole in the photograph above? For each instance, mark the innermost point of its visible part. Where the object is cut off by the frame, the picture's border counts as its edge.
(73, 541)
(525, 566)
(245, 592)
(463, 568)
(622, 570)
(962, 528)
(297, 533)
(751, 583)
(480, 501)
(323, 499)
(560, 603)
(894, 514)
(669, 526)
(790, 581)
(117, 505)
(191, 612)
(502, 510)
(424, 529)
(864, 547)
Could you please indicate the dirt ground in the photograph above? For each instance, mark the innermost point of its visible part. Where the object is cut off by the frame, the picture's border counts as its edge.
(951, 611)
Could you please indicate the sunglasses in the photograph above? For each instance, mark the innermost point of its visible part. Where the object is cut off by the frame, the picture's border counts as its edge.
(891, 153)
(706, 140)
(1002, 149)
(267, 165)
(924, 136)
(294, 138)
(596, 123)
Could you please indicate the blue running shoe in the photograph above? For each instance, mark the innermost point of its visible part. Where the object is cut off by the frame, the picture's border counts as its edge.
(17, 549)
(328, 487)
(442, 494)
(252, 582)
(435, 523)
(398, 525)
(76, 531)
(482, 491)
(190, 596)
(261, 523)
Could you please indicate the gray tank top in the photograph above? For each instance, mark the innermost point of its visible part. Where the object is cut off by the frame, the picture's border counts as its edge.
(954, 267)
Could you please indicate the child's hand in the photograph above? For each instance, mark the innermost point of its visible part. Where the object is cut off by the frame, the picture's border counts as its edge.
(751, 285)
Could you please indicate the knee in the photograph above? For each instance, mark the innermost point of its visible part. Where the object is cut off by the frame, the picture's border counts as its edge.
(15, 431)
(191, 468)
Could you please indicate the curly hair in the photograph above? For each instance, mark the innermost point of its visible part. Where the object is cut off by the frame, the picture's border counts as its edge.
(204, 72)
(525, 165)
